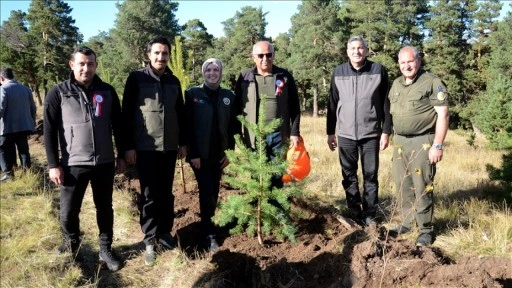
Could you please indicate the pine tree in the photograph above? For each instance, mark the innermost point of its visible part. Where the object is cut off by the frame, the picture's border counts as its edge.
(177, 66)
(140, 21)
(254, 209)
(447, 50)
(492, 110)
(485, 23)
(196, 41)
(386, 25)
(316, 42)
(241, 32)
(54, 37)
(17, 51)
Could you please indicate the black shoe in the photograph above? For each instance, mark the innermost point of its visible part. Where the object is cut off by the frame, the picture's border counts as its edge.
(108, 257)
(68, 246)
(6, 177)
(212, 244)
(398, 230)
(425, 239)
(356, 213)
(167, 242)
(149, 255)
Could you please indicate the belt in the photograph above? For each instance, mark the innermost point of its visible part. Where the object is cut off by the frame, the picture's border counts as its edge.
(416, 135)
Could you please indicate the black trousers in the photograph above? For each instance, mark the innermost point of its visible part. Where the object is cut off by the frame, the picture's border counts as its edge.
(349, 153)
(8, 144)
(156, 176)
(208, 180)
(76, 179)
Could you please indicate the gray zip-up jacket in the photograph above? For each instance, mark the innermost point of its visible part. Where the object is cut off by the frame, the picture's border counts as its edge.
(70, 120)
(358, 103)
(17, 108)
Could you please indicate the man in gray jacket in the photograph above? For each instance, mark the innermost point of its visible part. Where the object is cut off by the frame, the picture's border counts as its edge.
(359, 107)
(17, 121)
(81, 115)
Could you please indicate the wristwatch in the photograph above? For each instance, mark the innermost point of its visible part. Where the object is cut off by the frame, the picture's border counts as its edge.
(437, 146)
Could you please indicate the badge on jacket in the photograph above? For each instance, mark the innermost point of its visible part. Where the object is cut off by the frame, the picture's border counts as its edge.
(440, 94)
(98, 102)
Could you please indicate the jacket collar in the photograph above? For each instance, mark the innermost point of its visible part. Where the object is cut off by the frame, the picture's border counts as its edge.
(167, 72)
(420, 72)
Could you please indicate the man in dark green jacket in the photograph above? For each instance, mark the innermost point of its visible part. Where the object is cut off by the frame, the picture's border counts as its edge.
(419, 107)
(153, 114)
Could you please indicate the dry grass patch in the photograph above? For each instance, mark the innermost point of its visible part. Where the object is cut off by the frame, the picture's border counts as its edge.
(467, 224)
(29, 234)
(488, 231)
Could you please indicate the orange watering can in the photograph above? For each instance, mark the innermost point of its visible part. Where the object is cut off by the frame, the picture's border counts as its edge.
(298, 163)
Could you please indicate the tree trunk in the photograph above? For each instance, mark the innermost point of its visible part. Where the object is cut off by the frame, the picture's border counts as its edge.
(260, 237)
(38, 96)
(315, 101)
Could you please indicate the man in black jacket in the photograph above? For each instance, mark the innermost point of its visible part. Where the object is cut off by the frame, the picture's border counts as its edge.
(278, 86)
(359, 108)
(81, 114)
(154, 116)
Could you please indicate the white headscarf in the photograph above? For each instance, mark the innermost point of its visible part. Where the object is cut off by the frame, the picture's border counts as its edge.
(216, 62)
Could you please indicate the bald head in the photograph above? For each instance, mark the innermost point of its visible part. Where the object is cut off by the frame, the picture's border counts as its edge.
(263, 57)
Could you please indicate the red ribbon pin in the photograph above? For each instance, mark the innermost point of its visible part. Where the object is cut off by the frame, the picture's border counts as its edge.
(279, 87)
(98, 102)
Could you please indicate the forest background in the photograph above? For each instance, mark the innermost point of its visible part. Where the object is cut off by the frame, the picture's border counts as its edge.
(462, 41)
(465, 43)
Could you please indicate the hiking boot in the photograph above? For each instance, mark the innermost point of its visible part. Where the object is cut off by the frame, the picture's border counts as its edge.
(68, 246)
(212, 244)
(108, 257)
(149, 255)
(425, 239)
(398, 230)
(167, 242)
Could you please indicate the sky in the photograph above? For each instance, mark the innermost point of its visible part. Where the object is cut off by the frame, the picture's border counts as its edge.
(94, 16)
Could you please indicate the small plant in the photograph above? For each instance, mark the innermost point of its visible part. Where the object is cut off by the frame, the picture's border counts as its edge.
(259, 208)
(471, 139)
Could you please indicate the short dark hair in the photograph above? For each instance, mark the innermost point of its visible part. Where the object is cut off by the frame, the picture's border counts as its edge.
(7, 73)
(83, 50)
(159, 40)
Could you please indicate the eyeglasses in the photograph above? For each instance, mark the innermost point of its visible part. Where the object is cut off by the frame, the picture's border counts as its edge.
(269, 55)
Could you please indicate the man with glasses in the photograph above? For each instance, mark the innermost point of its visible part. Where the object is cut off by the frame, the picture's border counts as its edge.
(359, 123)
(278, 87)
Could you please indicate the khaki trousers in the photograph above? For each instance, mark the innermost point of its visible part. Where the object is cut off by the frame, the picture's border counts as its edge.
(414, 179)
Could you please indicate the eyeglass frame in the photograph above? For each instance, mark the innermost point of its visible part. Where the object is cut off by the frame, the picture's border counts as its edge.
(261, 55)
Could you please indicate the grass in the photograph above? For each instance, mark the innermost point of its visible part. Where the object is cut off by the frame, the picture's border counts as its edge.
(467, 223)
(29, 230)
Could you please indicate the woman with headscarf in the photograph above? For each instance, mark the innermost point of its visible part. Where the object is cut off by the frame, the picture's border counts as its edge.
(211, 127)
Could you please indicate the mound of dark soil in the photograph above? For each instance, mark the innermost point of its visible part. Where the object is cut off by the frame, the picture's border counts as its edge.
(327, 254)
